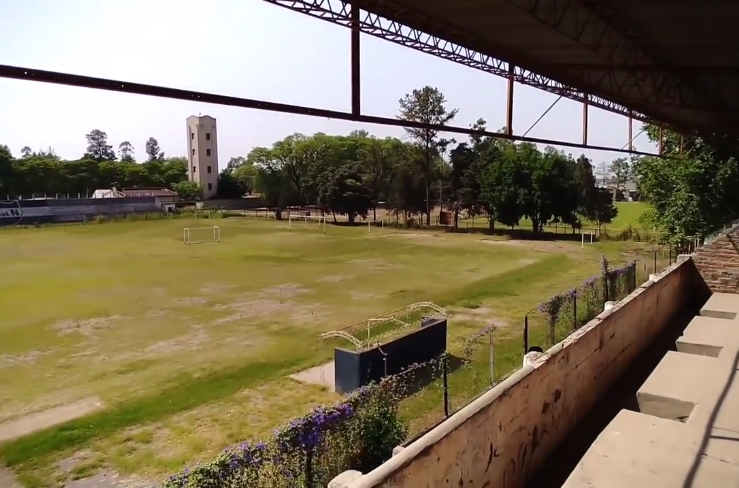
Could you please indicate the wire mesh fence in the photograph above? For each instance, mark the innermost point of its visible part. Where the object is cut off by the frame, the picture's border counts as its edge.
(553, 320)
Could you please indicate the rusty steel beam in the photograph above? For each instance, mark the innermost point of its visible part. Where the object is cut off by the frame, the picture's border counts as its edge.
(356, 63)
(509, 101)
(339, 12)
(585, 121)
(30, 74)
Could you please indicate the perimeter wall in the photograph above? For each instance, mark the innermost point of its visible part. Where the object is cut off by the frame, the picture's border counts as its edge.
(500, 439)
(29, 212)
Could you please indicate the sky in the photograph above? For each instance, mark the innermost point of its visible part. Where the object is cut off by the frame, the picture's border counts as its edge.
(245, 48)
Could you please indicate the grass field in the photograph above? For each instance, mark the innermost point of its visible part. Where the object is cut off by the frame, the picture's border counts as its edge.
(174, 352)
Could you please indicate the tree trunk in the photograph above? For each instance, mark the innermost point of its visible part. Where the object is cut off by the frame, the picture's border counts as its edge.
(374, 213)
(428, 204)
(535, 225)
(456, 219)
(491, 225)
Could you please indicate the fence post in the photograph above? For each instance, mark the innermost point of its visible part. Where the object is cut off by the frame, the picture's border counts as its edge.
(574, 310)
(655, 262)
(525, 333)
(445, 376)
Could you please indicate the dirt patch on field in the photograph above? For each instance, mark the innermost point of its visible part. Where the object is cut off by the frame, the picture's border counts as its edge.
(332, 279)
(7, 480)
(372, 263)
(30, 357)
(86, 327)
(20, 427)
(191, 301)
(284, 291)
(215, 288)
(540, 246)
(481, 315)
(186, 342)
(109, 479)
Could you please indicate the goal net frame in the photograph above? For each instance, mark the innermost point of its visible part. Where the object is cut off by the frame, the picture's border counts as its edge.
(321, 219)
(376, 223)
(187, 235)
(584, 240)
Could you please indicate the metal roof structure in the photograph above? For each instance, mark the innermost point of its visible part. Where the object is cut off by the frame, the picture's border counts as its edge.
(654, 60)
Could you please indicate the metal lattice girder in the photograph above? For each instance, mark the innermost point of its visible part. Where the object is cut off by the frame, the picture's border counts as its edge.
(339, 12)
(598, 26)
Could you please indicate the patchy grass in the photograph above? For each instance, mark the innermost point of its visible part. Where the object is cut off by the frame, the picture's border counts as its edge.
(189, 346)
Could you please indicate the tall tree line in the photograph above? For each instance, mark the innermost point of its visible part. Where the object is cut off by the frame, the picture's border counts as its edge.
(354, 174)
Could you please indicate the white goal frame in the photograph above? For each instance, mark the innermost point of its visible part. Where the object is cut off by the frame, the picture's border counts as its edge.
(186, 236)
(205, 214)
(305, 218)
(582, 244)
(380, 222)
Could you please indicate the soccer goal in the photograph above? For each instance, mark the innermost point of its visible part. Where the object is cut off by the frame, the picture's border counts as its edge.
(202, 214)
(296, 220)
(375, 223)
(201, 235)
(587, 237)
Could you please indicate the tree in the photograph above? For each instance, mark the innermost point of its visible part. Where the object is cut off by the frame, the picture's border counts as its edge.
(126, 152)
(621, 172)
(690, 194)
(188, 190)
(98, 148)
(26, 152)
(229, 186)
(152, 150)
(427, 106)
(340, 190)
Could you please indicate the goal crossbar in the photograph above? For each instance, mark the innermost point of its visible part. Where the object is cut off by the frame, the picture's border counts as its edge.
(320, 219)
(187, 234)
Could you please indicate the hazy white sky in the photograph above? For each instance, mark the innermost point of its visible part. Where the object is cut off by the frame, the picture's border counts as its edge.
(245, 48)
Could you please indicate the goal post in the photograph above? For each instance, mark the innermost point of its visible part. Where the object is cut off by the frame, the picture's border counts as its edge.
(200, 235)
(376, 223)
(586, 237)
(297, 219)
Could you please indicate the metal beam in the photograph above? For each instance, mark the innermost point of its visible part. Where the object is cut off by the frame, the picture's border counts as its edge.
(29, 74)
(339, 12)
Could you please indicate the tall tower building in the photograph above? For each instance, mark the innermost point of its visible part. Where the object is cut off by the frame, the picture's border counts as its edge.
(202, 153)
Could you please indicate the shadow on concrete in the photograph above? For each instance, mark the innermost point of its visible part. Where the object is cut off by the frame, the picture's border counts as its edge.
(563, 460)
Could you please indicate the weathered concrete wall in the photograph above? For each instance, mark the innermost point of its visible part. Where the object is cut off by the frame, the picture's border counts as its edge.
(501, 438)
(233, 204)
(718, 261)
(28, 212)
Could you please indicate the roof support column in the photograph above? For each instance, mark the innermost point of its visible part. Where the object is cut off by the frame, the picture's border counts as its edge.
(661, 140)
(631, 132)
(355, 61)
(509, 102)
(585, 121)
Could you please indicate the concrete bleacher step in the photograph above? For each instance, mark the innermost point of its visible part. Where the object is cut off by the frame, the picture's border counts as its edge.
(721, 306)
(642, 451)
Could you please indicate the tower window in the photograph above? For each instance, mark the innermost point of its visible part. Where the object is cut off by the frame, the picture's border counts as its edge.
(207, 152)
(194, 169)
(193, 152)
(192, 136)
(210, 186)
(210, 170)
(207, 136)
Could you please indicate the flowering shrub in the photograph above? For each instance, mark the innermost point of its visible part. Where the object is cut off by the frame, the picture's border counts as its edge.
(357, 433)
(569, 310)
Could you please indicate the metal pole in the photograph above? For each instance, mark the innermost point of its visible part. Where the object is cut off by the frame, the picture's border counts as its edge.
(525, 333)
(355, 60)
(509, 101)
(445, 376)
(585, 121)
(631, 133)
(492, 359)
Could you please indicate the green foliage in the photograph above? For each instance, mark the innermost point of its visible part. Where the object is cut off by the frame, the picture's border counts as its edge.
(566, 312)
(188, 190)
(359, 432)
(694, 191)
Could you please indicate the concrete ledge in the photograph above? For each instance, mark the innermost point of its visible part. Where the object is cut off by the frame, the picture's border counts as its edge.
(502, 437)
(721, 306)
(641, 451)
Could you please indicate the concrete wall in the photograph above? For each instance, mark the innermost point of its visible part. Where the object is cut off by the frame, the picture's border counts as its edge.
(233, 204)
(502, 437)
(29, 212)
(718, 261)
